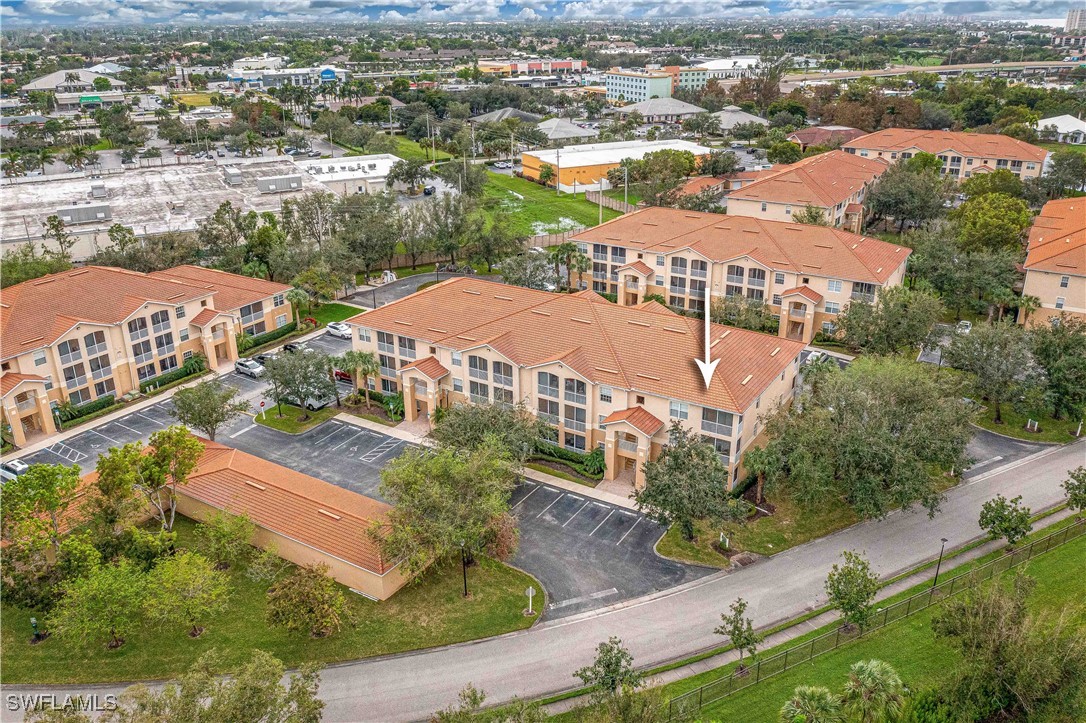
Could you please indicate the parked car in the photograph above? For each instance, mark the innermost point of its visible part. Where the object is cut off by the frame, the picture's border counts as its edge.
(339, 329)
(312, 403)
(266, 357)
(964, 327)
(813, 357)
(13, 468)
(342, 376)
(220, 153)
(296, 347)
(249, 368)
(429, 190)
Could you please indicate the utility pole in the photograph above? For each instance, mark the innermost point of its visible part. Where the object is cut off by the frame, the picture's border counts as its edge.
(511, 146)
(600, 199)
(626, 185)
(330, 143)
(558, 172)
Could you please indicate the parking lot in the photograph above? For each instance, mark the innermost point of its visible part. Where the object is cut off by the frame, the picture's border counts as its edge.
(589, 554)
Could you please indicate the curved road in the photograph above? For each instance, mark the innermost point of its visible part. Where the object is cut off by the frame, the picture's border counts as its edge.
(670, 624)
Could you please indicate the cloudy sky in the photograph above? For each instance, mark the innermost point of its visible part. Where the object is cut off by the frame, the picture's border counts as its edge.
(82, 12)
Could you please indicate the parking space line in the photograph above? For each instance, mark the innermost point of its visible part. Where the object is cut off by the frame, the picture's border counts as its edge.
(334, 432)
(628, 532)
(600, 504)
(583, 598)
(110, 439)
(242, 431)
(62, 450)
(380, 450)
(549, 506)
(526, 497)
(349, 439)
(601, 523)
(133, 431)
(575, 513)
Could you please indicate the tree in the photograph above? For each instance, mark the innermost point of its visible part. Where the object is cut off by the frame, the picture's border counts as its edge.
(611, 671)
(299, 377)
(688, 481)
(1000, 517)
(1059, 349)
(172, 458)
(102, 605)
(720, 163)
(765, 463)
(207, 406)
(447, 502)
(906, 196)
(992, 221)
(185, 589)
(24, 263)
(415, 232)
(566, 255)
(473, 426)
(411, 173)
(101, 84)
(812, 216)
(308, 600)
(924, 163)
(364, 365)
(999, 357)
(900, 318)
(874, 692)
(34, 503)
(743, 312)
(739, 630)
(702, 124)
(296, 297)
(852, 587)
(497, 241)
(1066, 170)
(546, 174)
(530, 270)
(999, 181)
(469, 702)
(53, 230)
(748, 131)
(784, 152)
(811, 704)
(112, 507)
(1075, 487)
(226, 539)
(258, 690)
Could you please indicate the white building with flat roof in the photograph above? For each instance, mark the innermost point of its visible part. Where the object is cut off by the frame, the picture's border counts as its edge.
(351, 174)
(587, 165)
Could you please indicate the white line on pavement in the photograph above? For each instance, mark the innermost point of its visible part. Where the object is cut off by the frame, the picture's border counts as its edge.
(328, 436)
(111, 439)
(348, 440)
(628, 532)
(583, 598)
(985, 463)
(575, 513)
(133, 431)
(242, 431)
(549, 506)
(526, 497)
(601, 523)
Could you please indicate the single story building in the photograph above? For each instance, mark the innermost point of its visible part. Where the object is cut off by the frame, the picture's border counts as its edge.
(350, 174)
(732, 115)
(835, 136)
(662, 110)
(589, 164)
(1063, 129)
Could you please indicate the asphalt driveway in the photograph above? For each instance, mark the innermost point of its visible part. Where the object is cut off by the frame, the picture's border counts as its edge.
(990, 450)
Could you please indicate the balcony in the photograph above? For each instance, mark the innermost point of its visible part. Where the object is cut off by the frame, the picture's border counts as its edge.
(71, 357)
(699, 273)
(144, 357)
(697, 293)
(167, 349)
(860, 296)
(27, 404)
(677, 290)
(678, 271)
(479, 399)
(797, 313)
(756, 282)
(478, 374)
(407, 353)
(245, 320)
(627, 445)
(102, 373)
(601, 275)
(735, 279)
(386, 348)
(420, 389)
(574, 424)
(721, 430)
(138, 334)
(620, 260)
(95, 350)
(613, 277)
(162, 326)
(388, 372)
(503, 381)
(76, 382)
(544, 391)
(576, 398)
(548, 418)
(631, 283)
(599, 256)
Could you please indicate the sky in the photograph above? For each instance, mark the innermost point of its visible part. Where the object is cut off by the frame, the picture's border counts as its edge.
(46, 13)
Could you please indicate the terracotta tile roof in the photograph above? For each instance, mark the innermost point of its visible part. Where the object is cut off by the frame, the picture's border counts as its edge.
(1057, 241)
(825, 135)
(326, 517)
(429, 366)
(638, 417)
(976, 145)
(824, 180)
(604, 342)
(805, 291)
(640, 267)
(854, 208)
(205, 317)
(232, 291)
(702, 183)
(10, 380)
(34, 313)
(778, 245)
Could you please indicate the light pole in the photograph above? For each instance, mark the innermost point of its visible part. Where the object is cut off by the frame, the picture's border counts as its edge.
(464, 565)
(938, 564)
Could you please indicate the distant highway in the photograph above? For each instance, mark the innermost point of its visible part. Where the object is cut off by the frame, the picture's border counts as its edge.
(941, 69)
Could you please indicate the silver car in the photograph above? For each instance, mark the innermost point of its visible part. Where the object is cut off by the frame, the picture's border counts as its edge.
(249, 368)
(13, 468)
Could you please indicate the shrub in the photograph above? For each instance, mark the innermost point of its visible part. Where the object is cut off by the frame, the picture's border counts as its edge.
(67, 412)
(193, 365)
(270, 336)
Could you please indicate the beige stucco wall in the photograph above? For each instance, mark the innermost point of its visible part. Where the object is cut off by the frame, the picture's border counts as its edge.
(1046, 287)
(969, 164)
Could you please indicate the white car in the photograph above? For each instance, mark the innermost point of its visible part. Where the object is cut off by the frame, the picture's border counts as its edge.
(13, 468)
(249, 368)
(339, 329)
(813, 357)
(964, 327)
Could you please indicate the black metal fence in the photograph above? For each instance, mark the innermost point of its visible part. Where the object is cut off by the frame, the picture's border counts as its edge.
(688, 704)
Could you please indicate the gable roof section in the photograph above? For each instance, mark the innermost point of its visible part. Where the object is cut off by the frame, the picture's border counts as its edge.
(232, 291)
(823, 135)
(823, 180)
(977, 145)
(429, 366)
(639, 418)
(639, 266)
(603, 342)
(778, 245)
(10, 381)
(1057, 241)
(805, 291)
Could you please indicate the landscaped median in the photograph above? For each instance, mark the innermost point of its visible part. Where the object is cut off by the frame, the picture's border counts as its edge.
(293, 420)
(1049, 430)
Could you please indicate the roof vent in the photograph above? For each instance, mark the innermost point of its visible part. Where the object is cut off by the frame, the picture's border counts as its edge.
(98, 190)
(326, 513)
(746, 379)
(254, 485)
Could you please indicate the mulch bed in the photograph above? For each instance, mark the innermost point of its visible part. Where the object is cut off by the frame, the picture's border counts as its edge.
(375, 410)
(559, 467)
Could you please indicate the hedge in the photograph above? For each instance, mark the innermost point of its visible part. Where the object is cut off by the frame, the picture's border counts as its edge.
(187, 369)
(67, 415)
(64, 426)
(270, 336)
(561, 455)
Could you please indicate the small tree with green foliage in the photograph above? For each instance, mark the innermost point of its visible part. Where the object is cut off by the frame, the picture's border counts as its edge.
(739, 629)
(900, 318)
(103, 605)
(999, 358)
(226, 538)
(992, 221)
(35, 502)
(1009, 519)
(207, 406)
(1075, 488)
(811, 216)
(852, 587)
(173, 455)
(308, 600)
(298, 377)
(611, 671)
(469, 426)
(811, 704)
(546, 173)
(185, 590)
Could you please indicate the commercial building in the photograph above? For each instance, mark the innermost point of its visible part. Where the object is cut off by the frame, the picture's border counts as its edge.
(686, 78)
(732, 115)
(534, 66)
(739, 66)
(662, 110)
(1063, 129)
(836, 183)
(108, 68)
(99, 331)
(828, 136)
(559, 130)
(496, 116)
(806, 274)
(70, 81)
(351, 174)
(962, 154)
(604, 375)
(261, 78)
(589, 164)
(88, 100)
(215, 116)
(634, 86)
(260, 62)
(1055, 263)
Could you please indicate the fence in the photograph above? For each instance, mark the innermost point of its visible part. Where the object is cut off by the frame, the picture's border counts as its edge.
(400, 261)
(688, 704)
(612, 203)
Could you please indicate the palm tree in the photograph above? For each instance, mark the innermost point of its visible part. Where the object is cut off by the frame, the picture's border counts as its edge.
(280, 143)
(766, 463)
(811, 704)
(44, 157)
(364, 364)
(297, 297)
(335, 362)
(13, 165)
(77, 156)
(817, 370)
(251, 143)
(874, 692)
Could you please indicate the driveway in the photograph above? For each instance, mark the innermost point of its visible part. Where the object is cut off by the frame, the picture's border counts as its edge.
(990, 450)
(589, 554)
(372, 297)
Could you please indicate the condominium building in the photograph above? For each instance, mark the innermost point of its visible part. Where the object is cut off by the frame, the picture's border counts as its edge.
(836, 183)
(95, 331)
(806, 274)
(1076, 20)
(602, 374)
(634, 86)
(962, 154)
(1055, 263)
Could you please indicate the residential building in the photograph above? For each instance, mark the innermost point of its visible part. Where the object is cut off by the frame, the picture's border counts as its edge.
(828, 136)
(835, 183)
(95, 331)
(1069, 41)
(634, 86)
(589, 164)
(1055, 263)
(70, 81)
(806, 274)
(662, 110)
(1063, 129)
(962, 154)
(602, 374)
(732, 115)
(1076, 20)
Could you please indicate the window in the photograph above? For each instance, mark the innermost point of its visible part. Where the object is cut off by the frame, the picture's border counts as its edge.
(99, 367)
(776, 299)
(678, 266)
(141, 352)
(480, 393)
(599, 252)
(39, 357)
(137, 329)
(458, 385)
(716, 421)
(48, 382)
(787, 210)
(735, 274)
(103, 388)
(477, 367)
(778, 278)
(659, 260)
(160, 321)
(575, 442)
(387, 366)
(547, 384)
(388, 386)
(69, 351)
(699, 268)
(503, 374)
(640, 399)
(185, 356)
(764, 206)
(179, 312)
(75, 376)
(832, 307)
(863, 292)
(827, 327)
(756, 294)
(164, 343)
(1060, 302)
(605, 394)
(255, 329)
(95, 342)
(250, 313)
(407, 347)
(677, 302)
(834, 285)
(279, 300)
(364, 335)
(183, 334)
(574, 418)
(80, 396)
(167, 363)
(457, 359)
(503, 395)
(722, 446)
(280, 321)
(1064, 281)
(756, 277)
(385, 342)
(575, 391)
(679, 410)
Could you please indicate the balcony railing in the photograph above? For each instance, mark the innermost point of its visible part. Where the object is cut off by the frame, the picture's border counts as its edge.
(620, 260)
(144, 357)
(71, 357)
(860, 296)
(479, 399)
(613, 277)
(678, 270)
(502, 380)
(388, 372)
(548, 418)
(601, 275)
(722, 430)
(545, 391)
(96, 349)
(574, 424)
(138, 334)
(31, 403)
(760, 283)
(631, 283)
(627, 445)
(598, 256)
(678, 290)
(167, 349)
(699, 273)
(477, 374)
(798, 313)
(735, 279)
(697, 293)
(420, 389)
(407, 353)
(76, 383)
(575, 398)
(102, 373)
(387, 348)
(218, 334)
(165, 326)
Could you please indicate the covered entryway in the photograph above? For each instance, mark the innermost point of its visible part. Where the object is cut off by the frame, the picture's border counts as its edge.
(420, 380)
(628, 445)
(26, 408)
(216, 329)
(797, 313)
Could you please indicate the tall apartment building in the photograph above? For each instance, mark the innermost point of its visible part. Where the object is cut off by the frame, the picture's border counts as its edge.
(687, 78)
(806, 274)
(1055, 263)
(1076, 20)
(603, 375)
(962, 154)
(634, 86)
(95, 331)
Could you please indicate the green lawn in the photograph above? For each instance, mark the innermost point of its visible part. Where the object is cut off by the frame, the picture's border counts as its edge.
(424, 614)
(1014, 425)
(326, 313)
(411, 150)
(291, 421)
(1053, 146)
(538, 210)
(633, 196)
(789, 526)
(194, 99)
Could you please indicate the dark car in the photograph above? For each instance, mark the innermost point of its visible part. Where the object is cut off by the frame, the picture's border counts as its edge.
(265, 357)
(295, 347)
(429, 190)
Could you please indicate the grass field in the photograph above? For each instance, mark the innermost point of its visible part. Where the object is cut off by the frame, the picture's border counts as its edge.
(424, 614)
(632, 196)
(537, 210)
(1053, 146)
(326, 313)
(291, 421)
(410, 150)
(1014, 425)
(194, 99)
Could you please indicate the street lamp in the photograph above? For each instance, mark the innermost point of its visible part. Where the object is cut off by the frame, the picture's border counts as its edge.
(464, 565)
(939, 564)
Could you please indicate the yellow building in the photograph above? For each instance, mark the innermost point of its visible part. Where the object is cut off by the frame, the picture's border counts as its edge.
(588, 164)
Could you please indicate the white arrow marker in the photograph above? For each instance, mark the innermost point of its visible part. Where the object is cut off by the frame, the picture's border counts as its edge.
(707, 367)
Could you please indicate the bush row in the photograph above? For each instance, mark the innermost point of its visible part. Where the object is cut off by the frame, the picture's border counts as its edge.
(68, 414)
(194, 365)
(270, 336)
